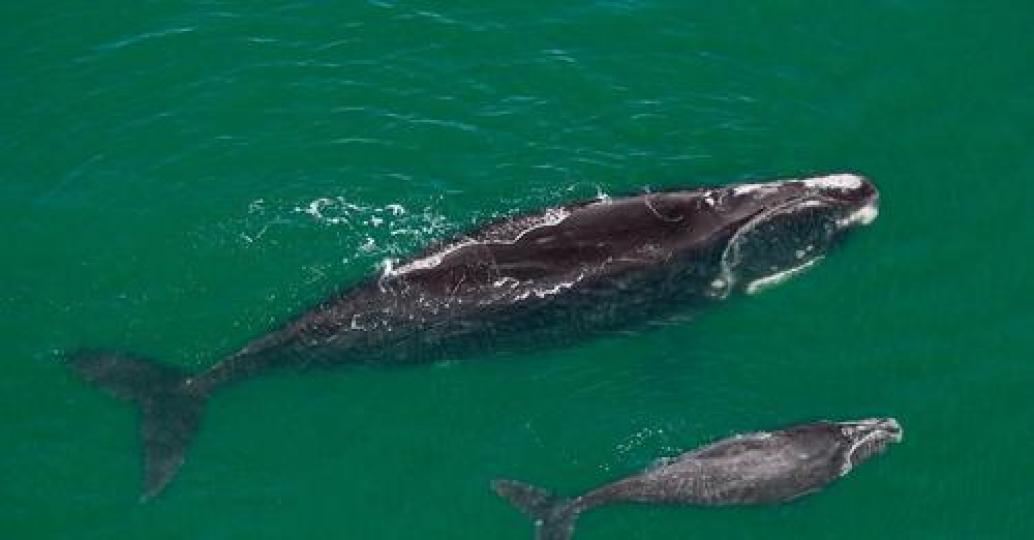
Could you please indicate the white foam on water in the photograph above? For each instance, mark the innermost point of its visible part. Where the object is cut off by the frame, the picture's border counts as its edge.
(366, 230)
(368, 245)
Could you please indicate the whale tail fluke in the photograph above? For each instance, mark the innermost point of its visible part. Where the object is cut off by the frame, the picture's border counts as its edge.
(553, 516)
(170, 407)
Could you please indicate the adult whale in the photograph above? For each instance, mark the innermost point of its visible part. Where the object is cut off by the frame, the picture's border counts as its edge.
(553, 274)
(754, 468)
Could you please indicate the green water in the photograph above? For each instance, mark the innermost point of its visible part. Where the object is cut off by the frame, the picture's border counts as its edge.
(178, 177)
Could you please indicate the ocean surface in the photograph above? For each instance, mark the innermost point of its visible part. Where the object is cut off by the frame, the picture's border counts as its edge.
(178, 177)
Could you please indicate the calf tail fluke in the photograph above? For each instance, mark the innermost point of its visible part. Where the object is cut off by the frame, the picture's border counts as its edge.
(553, 516)
(170, 407)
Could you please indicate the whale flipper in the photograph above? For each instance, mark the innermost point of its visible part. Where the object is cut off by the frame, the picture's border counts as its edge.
(553, 516)
(170, 407)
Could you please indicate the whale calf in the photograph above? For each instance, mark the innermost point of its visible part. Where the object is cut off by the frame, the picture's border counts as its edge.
(754, 468)
(550, 275)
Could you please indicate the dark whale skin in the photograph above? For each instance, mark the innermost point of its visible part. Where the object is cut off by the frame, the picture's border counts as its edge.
(553, 274)
(548, 276)
(589, 266)
(754, 468)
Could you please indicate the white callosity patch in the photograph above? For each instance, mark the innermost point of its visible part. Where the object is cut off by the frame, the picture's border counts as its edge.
(759, 189)
(835, 181)
(844, 182)
(863, 216)
(770, 281)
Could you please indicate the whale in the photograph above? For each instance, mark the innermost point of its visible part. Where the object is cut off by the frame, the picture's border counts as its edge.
(542, 277)
(764, 467)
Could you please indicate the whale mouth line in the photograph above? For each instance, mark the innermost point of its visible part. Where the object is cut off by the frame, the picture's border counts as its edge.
(768, 282)
(730, 256)
(867, 436)
(840, 215)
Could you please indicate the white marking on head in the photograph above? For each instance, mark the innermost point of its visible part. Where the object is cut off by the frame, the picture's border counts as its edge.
(835, 181)
(761, 189)
(770, 281)
(863, 216)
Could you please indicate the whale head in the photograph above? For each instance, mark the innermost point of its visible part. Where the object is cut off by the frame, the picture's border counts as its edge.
(866, 438)
(773, 230)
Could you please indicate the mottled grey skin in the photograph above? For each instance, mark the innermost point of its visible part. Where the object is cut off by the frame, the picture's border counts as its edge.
(756, 468)
(549, 276)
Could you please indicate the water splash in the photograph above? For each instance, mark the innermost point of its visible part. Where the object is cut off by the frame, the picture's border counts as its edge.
(366, 231)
